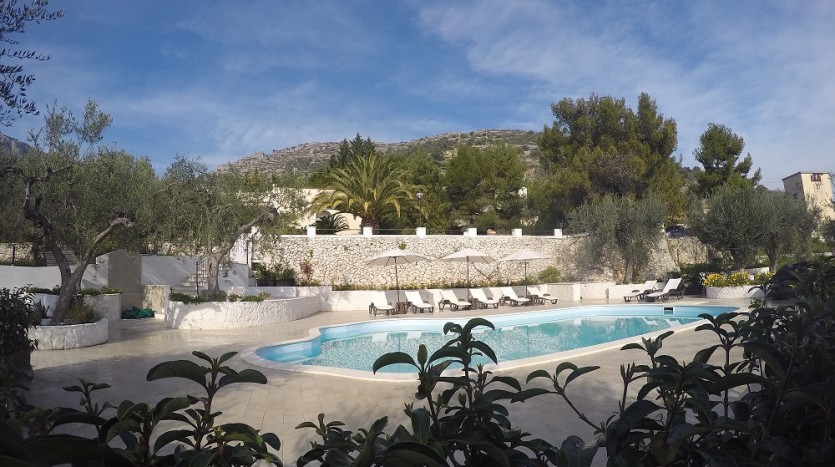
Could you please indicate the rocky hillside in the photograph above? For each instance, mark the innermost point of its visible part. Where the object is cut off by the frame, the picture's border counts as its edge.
(305, 158)
(9, 145)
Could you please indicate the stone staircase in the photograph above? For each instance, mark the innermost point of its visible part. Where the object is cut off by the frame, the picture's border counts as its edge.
(191, 284)
(50, 258)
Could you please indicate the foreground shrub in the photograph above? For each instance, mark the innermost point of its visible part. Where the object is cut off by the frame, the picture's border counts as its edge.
(81, 313)
(761, 395)
(175, 431)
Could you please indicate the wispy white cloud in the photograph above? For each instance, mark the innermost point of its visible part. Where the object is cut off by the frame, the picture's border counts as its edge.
(762, 69)
(223, 80)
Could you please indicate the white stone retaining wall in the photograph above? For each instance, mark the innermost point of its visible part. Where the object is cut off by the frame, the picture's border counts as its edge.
(232, 315)
(735, 292)
(339, 260)
(70, 336)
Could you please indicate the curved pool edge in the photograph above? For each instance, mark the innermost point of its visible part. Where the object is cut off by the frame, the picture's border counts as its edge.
(249, 354)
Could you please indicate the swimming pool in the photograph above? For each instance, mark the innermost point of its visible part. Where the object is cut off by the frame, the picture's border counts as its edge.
(519, 338)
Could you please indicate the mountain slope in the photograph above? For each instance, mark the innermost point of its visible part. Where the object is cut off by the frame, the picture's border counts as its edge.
(305, 158)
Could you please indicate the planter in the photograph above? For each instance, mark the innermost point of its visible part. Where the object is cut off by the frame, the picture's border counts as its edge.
(71, 336)
(735, 292)
(265, 282)
(236, 315)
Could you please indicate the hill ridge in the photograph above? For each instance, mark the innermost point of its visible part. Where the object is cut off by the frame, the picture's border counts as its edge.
(304, 158)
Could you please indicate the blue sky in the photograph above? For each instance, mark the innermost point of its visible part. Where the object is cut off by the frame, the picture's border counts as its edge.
(220, 80)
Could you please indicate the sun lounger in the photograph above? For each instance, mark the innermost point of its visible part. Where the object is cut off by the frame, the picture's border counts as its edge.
(483, 301)
(496, 294)
(510, 295)
(664, 294)
(539, 296)
(379, 303)
(640, 294)
(448, 297)
(416, 302)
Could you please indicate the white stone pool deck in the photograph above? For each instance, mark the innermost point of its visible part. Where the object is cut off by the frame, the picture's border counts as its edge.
(290, 398)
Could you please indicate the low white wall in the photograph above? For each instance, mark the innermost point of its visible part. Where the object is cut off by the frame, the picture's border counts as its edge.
(231, 315)
(71, 336)
(736, 292)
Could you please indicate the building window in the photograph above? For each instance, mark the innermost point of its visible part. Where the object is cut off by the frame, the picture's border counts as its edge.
(816, 177)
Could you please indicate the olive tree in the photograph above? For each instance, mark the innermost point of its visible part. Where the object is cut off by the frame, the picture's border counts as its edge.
(83, 197)
(731, 222)
(205, 213)
(789, 225)
(621, 232)
(741, 220)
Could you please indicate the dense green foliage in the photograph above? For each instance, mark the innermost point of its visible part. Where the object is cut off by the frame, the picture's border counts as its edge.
(17, 316)
(369, 186)
(78, 195)
(600, 146)
(741, 220)
(761, 395)
(719, 153)
(175, 431)
(482, 187)
(205, 212)
(622, 233)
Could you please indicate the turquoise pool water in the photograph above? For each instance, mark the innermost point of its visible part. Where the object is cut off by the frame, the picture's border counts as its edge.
(517, 336)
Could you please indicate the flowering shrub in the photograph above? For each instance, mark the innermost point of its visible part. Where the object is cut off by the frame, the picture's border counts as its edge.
(735, 279)
(714, 280)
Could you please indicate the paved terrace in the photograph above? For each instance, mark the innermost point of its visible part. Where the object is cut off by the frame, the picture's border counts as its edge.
(290, 398)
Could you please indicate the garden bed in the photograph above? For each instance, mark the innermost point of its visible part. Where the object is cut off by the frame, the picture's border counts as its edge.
(70, 336)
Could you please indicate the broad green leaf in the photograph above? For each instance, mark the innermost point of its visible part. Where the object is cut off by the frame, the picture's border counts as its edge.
(223, 358)
(522, 396)
(171, 436)
(421, 422)
(411, 453)
(485, 349)
(508, 380)
(179, 369)
(246, 376)
(393, 358)
(169, 405)
(471, 324)
(579, 372)
(538, 374)
(764, 352)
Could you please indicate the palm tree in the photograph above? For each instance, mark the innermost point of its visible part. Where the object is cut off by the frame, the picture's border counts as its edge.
(368, 187)
(331, 223)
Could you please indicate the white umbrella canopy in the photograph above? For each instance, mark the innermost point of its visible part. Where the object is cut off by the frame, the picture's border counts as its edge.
(525, 255)
(469, 256)
(395, 257)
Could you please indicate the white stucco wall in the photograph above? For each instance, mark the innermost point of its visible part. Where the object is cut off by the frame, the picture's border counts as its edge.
(232, 315)
(729, 293)
(70, 337)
